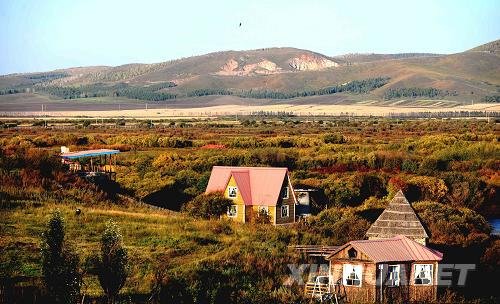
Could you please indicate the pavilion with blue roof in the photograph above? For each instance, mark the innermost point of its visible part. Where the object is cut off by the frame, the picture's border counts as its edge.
(102, 162)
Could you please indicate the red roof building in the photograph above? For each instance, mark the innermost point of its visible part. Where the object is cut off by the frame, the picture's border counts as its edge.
(391, 270)
(254, 190)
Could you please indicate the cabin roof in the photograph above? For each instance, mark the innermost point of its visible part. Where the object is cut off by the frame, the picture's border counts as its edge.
(398, 218)
(396, 249)
(88, 153)
(257, 185)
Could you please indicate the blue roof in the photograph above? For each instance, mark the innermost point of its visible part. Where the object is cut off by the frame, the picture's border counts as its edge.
(89, 153)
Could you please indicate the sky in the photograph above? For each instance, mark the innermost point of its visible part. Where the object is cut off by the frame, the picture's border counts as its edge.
(43, 35)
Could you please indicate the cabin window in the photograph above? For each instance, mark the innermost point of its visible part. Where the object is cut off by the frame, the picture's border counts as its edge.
(393, 275)
(264, 209)
(285, 211)
(232, 192)
(423, 274)
(232, 211)
(351, 275)
(284, 193)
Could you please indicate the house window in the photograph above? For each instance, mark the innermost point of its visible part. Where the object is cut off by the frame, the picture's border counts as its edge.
(423, 274)
(285, 211)
(284, 193)
(263, 209)
(232, 192)
(393, 275)
(351, 275)
(232, 211)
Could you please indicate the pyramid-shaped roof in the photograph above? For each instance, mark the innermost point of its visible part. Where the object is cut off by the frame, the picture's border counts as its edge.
(398, 218)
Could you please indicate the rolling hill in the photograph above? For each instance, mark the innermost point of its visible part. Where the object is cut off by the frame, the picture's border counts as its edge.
(460, 77)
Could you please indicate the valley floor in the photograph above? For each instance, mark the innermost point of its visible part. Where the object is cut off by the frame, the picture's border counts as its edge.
(31, 105)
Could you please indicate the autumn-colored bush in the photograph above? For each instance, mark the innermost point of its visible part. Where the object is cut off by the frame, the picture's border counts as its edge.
(210, 205)
(453, 226)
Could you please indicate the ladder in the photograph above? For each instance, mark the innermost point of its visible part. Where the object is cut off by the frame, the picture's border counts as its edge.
(325, 290)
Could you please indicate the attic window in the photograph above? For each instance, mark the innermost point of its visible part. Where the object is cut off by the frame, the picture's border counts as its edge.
(352, 253)
(232, 192)
(284, 193)
(423, 274)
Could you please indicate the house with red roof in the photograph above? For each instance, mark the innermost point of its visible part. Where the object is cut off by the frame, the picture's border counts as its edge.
(254, 191)
(390, 270)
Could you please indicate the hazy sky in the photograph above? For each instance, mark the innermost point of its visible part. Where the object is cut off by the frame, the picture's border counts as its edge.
(40, 35)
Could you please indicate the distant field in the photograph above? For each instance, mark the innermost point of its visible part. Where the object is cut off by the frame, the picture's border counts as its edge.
(31, 105)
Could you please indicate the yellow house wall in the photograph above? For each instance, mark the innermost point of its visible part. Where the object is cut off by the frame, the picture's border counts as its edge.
(238, 201)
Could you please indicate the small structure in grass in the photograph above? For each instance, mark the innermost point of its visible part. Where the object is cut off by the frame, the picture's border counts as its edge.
(91, 164)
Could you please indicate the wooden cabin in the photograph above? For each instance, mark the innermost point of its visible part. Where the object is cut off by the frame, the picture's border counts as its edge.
(398, 218)
(390, 270)
(254, 190)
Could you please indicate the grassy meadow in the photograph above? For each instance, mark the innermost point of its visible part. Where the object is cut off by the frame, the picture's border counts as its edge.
(448, 169)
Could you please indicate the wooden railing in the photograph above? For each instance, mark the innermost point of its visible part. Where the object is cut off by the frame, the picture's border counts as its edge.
(316, 250)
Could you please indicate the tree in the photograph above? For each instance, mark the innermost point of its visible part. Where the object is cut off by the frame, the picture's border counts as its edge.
(209, 205)
(262, 217)
(60, 264)
(112, 267)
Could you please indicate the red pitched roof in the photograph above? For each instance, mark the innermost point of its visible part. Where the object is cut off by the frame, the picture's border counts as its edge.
(396, 249)
(257, 185)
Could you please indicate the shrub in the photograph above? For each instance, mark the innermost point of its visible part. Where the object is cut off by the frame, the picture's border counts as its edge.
(332, 138)
(209, 205)
(262, 217)
(453, 226)
(336, 226)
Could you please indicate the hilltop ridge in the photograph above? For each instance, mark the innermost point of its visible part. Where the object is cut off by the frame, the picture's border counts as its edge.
(473, 74)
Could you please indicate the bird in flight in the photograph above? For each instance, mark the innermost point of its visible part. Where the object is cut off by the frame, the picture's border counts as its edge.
(240, 24)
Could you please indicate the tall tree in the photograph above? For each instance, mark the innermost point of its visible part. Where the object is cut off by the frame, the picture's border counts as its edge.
(61, 265)
(113, 264)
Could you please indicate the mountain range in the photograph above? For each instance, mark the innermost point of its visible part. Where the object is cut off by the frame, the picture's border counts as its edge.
(460, 77)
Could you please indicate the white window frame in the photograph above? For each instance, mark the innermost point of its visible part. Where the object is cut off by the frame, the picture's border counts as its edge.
(389, 272)
(265, 208)
(348, 269)
(285, 194)
(429, 272)
(229, 213)
(287, 208)
(232, 189)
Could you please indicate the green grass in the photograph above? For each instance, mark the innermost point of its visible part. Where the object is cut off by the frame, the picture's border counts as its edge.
(148, 235)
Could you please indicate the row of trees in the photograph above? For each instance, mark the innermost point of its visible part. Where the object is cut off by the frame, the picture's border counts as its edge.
(46, 76)
(62, 271)
(355, 86)
(492, 99)
(11, 91)
(416, 92)
(151, 93)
